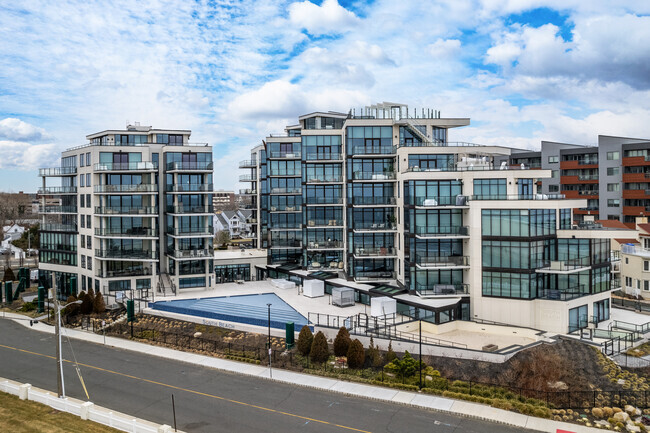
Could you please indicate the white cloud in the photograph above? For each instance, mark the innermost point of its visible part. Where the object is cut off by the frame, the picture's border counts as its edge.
(17, 130)
(444, 48)
(330, 17)
(25, 156)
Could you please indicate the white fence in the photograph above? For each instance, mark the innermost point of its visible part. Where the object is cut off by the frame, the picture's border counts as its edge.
(84, 410)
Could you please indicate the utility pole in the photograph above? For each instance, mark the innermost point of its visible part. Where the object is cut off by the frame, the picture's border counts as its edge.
(59, 368)
(420, 354)
(270, 350)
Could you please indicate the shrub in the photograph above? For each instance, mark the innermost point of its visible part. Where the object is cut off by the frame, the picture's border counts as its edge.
(86, 303)
(356, 354)
(319, 351)
(342, 342)
(305, 340)
(28, 306)
(71, 309)
(99, 306)
(9, 275)
(405, 367)
(390, 355)
(373, 354)
(597, 412)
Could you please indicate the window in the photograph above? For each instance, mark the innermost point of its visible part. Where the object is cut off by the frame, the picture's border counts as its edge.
(88, 242)
(555, 174)
(646, 265)
(88, 200)
(628, 282)
(490, 188)
(83, 241)
(88, 158)
(612, 171)
(81, 180)
(82, 201)
(613, 187)
(88, 179)
(553, 188)
(83, 219)
(83, 261)
(613, 202)
(553, 159)
(88, 225)
(646, 285)
(612, 156)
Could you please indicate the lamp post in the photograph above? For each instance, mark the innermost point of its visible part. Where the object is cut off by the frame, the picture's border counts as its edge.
(420, 366)
(60, 385)
(269, 332)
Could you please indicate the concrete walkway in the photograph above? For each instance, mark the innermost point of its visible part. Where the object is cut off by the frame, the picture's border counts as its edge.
(414, 399)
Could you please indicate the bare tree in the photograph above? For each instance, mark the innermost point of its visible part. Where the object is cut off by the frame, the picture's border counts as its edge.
(223, 237)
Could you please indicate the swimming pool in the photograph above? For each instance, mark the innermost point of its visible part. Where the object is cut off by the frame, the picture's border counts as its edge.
(248, 309)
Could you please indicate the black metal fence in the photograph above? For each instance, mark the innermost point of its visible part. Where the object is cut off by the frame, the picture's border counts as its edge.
(569, 399)
(633, 304)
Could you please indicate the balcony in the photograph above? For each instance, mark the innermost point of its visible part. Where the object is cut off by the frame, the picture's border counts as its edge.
(126, 166)
(374, 276)
(433, 232)
(324, 179)
(323, 157)
(120, 189)
(57, 171)
(374, 227)
(285, 173)
(190, 187)
(285, 243)
(439, 289)
(324, 245)
(587, 177)
(285, 209)
(191, 254)
(375, 252)
(635, 250)
(562, 295)
(284, 155)
(374, 201)
(248, 206)
(187, 209)
(429, 202)
(50, 227)
(311, 201)
(636, 193)
(248, 192)
(285, 226)
(127, 272)
(373, 151)
(126, 254)
(286, 191)
(248, 163)
(320, 223)
(570, 266)
(519, 197)
(437, 262)
(247, 178)
(58, 190)
(190, 166)
(190, 231)
(371, 176)
(57, 209)
(126, 233)
(126, 210)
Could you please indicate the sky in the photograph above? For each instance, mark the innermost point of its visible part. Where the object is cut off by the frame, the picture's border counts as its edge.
(234, 71)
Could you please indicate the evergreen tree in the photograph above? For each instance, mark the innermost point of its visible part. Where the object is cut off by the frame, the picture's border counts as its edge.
(319, 351)
(99, 306)
(305, 339)
(356, 354)
(86, 303)
(71, 309)
(390, 355)
(342, 342)
(9, 275)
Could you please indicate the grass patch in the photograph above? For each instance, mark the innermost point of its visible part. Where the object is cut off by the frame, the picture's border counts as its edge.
(21, 416)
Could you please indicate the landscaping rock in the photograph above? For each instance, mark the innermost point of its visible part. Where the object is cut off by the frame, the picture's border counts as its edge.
(632, 428)
(632, 411)
(621, 417)
(558, 386)
(602, 424)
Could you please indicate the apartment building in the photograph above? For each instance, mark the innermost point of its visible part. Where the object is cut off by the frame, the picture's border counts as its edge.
(635, 263)
(223, 200)
(614, 176)
(383, 202)
(135, 214)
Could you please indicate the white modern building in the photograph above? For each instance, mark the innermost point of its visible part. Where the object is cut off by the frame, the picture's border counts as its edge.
(135, 213)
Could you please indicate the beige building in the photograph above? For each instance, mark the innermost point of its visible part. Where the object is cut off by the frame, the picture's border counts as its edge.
(635, 263)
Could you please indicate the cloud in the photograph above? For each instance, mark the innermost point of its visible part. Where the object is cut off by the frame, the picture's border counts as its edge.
(25, 156)
(444, 48)
(17, 130)
(330, 17)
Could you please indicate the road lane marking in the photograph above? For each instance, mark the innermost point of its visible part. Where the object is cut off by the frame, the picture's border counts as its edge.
(192, 391)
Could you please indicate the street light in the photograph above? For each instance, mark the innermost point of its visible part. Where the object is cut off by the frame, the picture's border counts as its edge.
(60, 386)
(270, 350)
(420, 353)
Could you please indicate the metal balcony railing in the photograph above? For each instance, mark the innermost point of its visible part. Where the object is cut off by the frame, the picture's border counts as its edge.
(53, 190)
(126, 166)
(57, 171)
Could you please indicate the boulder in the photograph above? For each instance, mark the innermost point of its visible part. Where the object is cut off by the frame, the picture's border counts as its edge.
(632, 411)
(632, 428)
(621, 417)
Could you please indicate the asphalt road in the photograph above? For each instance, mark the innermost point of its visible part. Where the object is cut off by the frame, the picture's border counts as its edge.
(208, 400)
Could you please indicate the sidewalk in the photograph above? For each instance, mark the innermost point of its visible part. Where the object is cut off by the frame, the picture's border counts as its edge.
(414, 399)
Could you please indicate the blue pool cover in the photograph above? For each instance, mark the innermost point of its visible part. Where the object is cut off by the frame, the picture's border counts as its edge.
(248, 309)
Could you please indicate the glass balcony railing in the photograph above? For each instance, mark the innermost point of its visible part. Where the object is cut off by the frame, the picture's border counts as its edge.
(182, 209)
(57, 171)
(286, 190)
(458, 200)
(564, 265)
(442, 289)
(324, 157)
(247, 191)
(280, 208)
(374, 275)
(126, 188)
(247, 178)
(126, 254)
(518, 197)
(324, 222)
(441, 261)
(286, 243)
(587, 177)
(179, 231)
(373, 201)
(190, 166)
(126, 166)
(127, 272)
(191, 254)
(375, 252)
(373, 150)
(442, 231)
(373, 226)
(57, 209)
(126, 210)
(53, 227)
(284, 225)
(284, 173)
(369, 175)
(247, 163)
(284, 155)
(323, 245)
(53, 190)
(324, 178)
(130, 232)
(324, 200)
(190, 187)
(562, 294)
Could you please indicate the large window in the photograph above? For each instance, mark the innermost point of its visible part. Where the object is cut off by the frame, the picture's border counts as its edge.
(612, 156)
(518, 222)
(231, 273)
(490, 188)
(510, 284)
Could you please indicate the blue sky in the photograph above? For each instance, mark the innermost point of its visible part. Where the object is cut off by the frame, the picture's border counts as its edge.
(234, 71)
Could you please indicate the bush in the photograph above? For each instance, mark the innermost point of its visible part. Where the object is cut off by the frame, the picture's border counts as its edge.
(356, 354)
(28, 306)
(319, 352)
(405, 367)
(390, 355)
(342, 342)
(305, 340)
(373, 354)
(597, 413)
(99, 306)
(9, 275)
(86, 303)
(71, 309)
